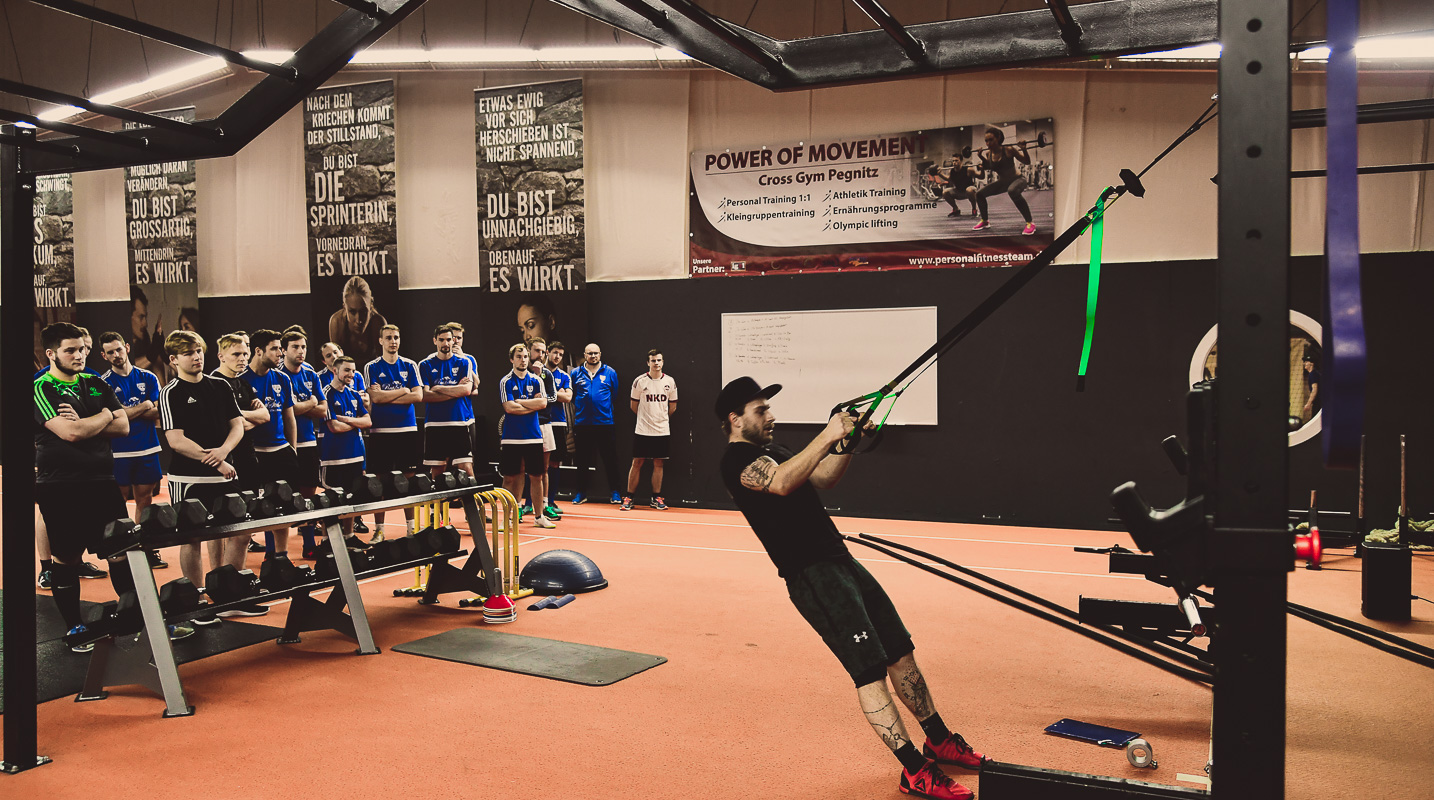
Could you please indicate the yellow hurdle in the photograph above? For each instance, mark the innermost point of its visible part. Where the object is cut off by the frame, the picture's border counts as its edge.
(504, 538)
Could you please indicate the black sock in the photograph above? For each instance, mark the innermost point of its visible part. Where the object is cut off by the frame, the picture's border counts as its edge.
(120, 577)
(936, 730)
(46, 565)
(910, 757)
(65, 588)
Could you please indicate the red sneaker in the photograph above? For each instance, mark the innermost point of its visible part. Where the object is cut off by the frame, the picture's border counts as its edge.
(953, 751)
(930, 781)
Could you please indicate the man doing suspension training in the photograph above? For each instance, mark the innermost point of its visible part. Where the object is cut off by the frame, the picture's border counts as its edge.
(776, 491)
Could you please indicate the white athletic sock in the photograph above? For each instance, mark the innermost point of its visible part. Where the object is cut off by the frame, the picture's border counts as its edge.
(410, 527)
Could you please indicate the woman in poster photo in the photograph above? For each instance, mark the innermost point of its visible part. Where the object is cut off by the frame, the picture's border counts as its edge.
(1000, 158)
(355, 327)
(537, 318)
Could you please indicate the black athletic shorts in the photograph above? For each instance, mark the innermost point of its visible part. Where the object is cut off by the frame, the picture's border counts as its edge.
(559, 453)
(854, 616)
(76, 512)
(520, 459)
(446, 444)
(206, 493)
(401, 450)
(308, 469)
(650, 446)
(279, 465)
(342, 476)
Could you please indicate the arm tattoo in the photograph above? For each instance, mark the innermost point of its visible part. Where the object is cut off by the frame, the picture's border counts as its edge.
(912, 687)
(891, 733)
(759, 474)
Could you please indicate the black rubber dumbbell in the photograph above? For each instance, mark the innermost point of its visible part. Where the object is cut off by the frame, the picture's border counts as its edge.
(439, 540)
(462, 478)
(366, 488)
(178, 596)
(158, 517)
(282, 495)
(119, 618)
(119, 535)
(444, 481)
(279, 573)
(326, 567)
(225, 584)
(420, 484)
(230, 508)
(321, 500)
(395, 484)
(335, 497)
(191, 514)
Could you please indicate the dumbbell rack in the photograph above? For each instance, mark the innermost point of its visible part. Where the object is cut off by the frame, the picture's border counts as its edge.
(147, 659)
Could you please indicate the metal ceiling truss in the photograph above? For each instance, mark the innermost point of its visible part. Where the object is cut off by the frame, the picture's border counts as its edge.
(1017, 39)
(284, 86)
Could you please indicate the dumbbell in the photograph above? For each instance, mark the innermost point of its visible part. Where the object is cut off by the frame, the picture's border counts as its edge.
(366, 488)
(124, 533)
(327, 568)
(420, 484)
(118, 618)
(231, 508)
(281, 494)
(225, 584)
(463, 478)
(178, 596)
(445, 481)
(395, 484)
(385, 553)
(279, 573)
(191, 514)
(335, 496)
(321, 500)
(439, 540)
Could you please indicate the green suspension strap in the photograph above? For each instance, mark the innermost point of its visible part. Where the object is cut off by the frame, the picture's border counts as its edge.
(1097, 241)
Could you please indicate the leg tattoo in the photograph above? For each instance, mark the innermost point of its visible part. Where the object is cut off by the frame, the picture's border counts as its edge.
(881, 713)
(911, 687)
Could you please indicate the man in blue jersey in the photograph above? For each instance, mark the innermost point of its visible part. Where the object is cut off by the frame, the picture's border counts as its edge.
(474, 440)
(137, 468)
(309, 408)
(447, 380)
(342, 456)
(594, 384)
(520, 443)
(563, 394)
(538, 365)
(329, 352)
(275, 441)
(394, 442)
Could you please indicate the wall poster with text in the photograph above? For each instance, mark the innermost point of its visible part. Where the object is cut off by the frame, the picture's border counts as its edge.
(351, 215)
(975, 195)
(54, 256)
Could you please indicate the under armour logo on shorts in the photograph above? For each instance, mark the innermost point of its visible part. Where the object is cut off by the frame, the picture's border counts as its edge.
(857, 637)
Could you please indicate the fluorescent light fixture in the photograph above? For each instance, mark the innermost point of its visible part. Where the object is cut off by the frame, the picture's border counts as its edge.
(597, 54)
(271, 56)
(1393, 48)
(1200, 52)
(154, 85)
(672, 54)
(516, 55)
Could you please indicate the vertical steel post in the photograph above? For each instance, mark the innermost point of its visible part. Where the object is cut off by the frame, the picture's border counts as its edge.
(1252, 548)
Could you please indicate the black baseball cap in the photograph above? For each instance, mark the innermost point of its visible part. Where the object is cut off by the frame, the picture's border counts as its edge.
(739, 392)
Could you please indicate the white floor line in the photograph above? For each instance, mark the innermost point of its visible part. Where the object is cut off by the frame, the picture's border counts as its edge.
(868, 560)
(852, 533)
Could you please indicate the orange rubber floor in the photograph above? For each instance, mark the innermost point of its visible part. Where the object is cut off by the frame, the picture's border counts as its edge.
(750, 703)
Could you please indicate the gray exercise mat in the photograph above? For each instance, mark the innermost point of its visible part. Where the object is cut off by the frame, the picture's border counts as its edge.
(529, 655)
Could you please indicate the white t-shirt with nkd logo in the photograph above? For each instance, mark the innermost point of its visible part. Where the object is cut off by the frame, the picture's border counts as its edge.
(652, 396)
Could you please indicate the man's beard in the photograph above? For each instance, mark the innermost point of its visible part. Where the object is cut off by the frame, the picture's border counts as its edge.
(756, 436)
(66, 370)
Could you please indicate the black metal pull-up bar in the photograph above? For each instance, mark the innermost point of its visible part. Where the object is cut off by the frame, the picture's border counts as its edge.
(914, 50)
(167, 36)
(137, 142)
(727, 33)
(104, 109)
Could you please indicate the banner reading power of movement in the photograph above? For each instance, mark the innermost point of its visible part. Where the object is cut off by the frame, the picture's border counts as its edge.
(532, 247)
(163, 246)
(351, 214)
(54, 256)
(977, 195)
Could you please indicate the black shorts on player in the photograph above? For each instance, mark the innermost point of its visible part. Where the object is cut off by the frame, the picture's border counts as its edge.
(446, 444)
(655, 447)
(559, 454)
(76, 512)
(386, 452)
(520, 459)
(853, 615)
(206, 493)
(279, 465)
(306, 475)
(342, 476)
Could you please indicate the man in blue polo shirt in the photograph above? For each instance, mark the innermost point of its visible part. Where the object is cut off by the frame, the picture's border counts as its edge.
(447, 380)
(343, 451)
(520, 445)
(309, 409)
(394, 442)
(137, 468)
(594, 384)
(274, 441)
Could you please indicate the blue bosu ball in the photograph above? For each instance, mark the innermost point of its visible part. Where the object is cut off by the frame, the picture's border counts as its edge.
(561, 572)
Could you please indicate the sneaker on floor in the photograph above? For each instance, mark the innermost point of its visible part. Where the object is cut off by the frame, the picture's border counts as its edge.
(181, 631)
(250, 610)
(616, 498)
(627, 504)
(155, 561)
(80, 648)
(375, 539)
(953, 751)
(579, 499)
(552, 512)
(930, 781)
(255, 547)
(658, 503)
(359, 527)
(526, 508)
(89, 571)
(1029, 229)
(955, 212)
(980, 225)
(44, 580)
(543, 522)
(206, 620)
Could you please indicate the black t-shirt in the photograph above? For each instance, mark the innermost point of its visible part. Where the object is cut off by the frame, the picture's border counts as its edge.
(550, 391)
(202, 410)
(794, 529)
(1312, 379)
(86, 460)
(244, 396)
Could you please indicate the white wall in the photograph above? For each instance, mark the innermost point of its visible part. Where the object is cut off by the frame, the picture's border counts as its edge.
(641, 126)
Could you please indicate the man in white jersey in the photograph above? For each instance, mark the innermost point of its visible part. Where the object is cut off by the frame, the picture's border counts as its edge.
(653, 400)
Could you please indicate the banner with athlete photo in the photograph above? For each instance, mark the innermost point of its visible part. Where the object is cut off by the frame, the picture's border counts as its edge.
(161, 206)
(351, 215)
(54, 256)
(975, 195)
(532, 246)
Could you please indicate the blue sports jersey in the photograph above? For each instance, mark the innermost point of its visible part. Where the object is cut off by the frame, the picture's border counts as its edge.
(561, 381)
(306, 384)
(346, 447)
(401, 374)
(132, 389)
(434, 371)
(276, 392)
(326, 377)
(592, 395)
(520, 428)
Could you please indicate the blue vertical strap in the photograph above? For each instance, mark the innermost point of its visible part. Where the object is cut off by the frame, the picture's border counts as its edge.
(1344, 367)
(1092, 292)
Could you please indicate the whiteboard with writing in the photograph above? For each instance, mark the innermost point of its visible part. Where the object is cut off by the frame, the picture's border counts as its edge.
(825, 357)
